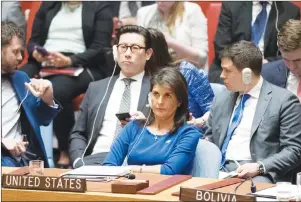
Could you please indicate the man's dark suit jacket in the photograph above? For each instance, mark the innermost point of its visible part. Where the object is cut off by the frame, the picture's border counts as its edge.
(276, 73)
(81, 132)
(275, 133)
(115, 6)
(97, 25)
(235, 25)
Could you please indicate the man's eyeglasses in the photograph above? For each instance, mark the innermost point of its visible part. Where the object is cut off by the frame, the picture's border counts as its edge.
(122, 48)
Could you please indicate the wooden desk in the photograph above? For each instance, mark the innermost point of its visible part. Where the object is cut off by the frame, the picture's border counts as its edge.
(37, 195)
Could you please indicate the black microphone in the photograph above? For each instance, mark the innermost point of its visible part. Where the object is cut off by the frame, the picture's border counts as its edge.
(130, 176)
(253, 186)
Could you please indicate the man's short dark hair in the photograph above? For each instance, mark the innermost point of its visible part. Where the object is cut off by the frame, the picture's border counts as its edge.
(135, 29)
(8, 31)
(244, 54)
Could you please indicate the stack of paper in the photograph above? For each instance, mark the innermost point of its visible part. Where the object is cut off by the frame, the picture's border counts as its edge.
(98, 171)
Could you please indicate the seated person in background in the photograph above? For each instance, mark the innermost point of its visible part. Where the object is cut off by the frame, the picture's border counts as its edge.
(200, 94)
(11, 12)
(126, 11)
(286, 73)
(97, 124)
(186, 37)
(256, 21)
(74, 34)
(255, 124)
(22, 113)
(165, 143)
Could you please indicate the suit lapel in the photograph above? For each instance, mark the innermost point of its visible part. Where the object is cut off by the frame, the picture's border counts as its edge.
(145, 89)
(87, 21)
(226, 115)
(247, 15)
(262, 105)
(270, 25)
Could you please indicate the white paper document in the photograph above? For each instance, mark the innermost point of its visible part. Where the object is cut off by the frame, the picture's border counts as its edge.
(98, 171)
(225, 175)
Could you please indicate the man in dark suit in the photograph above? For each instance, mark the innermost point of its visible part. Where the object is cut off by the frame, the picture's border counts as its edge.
(286, 73)
(252, 21)
(97, 126)
(75, 34)
(255, 124)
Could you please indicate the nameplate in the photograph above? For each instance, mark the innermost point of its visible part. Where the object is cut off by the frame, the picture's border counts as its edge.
(191, 194)
(43, 183)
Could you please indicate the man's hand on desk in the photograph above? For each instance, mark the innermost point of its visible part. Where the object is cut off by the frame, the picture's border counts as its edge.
(248, 170)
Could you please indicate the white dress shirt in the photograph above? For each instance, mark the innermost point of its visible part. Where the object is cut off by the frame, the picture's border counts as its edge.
(257, 7)
(65, 32)
(292, 83)
(239, 145)
(107, 131)
(11, 125)
(124, 11)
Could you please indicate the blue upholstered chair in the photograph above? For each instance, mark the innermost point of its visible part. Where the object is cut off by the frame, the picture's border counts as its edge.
(207, 160)
(47, 135)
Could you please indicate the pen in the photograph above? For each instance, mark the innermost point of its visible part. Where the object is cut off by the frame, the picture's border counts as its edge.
(30, 154)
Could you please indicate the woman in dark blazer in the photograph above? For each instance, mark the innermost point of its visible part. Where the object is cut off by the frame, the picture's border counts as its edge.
(74, 34)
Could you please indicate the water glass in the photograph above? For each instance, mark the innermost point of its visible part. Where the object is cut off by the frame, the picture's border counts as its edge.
(284, 191)
(36, 167)
(298, 183)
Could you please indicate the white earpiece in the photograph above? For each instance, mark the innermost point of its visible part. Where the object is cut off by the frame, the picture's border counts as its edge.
(246, 76)
(149, 97)
(115, 53)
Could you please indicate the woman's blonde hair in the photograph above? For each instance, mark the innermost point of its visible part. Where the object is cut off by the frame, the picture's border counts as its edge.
(176, 11)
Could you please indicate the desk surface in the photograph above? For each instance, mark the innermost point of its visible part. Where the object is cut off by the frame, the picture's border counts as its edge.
(38, 195)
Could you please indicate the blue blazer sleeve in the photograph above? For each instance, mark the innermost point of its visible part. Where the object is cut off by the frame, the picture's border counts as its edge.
(46, 113)
(183, 154)
(120, 146)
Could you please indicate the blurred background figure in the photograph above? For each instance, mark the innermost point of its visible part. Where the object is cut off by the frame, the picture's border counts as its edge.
(257, 21)
(186, 37)
(75, 34)
(11, 12)
(125, 11)
(200, 94)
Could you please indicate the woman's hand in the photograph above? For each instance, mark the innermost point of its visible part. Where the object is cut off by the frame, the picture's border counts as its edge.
(39, 57)
(134, 116)
(59, 60)
(199, 122)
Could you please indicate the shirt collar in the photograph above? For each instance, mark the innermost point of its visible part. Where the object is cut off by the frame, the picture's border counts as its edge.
(137, 77)
(255, 91)
(258, 2)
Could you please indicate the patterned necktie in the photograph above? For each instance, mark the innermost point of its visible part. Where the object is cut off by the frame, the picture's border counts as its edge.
(125, 104)
(237, 116)
(259, 24)
(133, 8)
(299, 90)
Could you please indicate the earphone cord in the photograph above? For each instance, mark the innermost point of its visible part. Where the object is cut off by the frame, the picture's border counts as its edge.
(22, 102)
(92, 131)
(140, 133)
